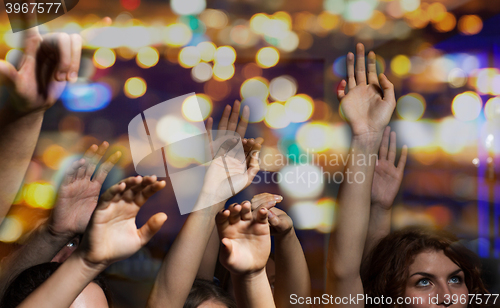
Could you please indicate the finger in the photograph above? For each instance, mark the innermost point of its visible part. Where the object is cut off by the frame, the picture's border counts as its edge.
(341, 90)
(222, 220)
(70, 175)
(384, 146)
(228, 245)
(146, 181)
(259, 140)
(88, 156)
(151, 227)
(262, 215)
(94, 160)
(372, 68)
(76, 53)
(360, 64)
(242, 126)
(351, 81)
(32, 37)
(246, 210)
(63, 42)
(153, 189)
(113, 191)
(260, 197)
(235, 114)
(234, 213)
(388, 88)
(273, 218)
(402, 159)
(8, 73)
(106, 167)
(392, 148)
(253, 166)
(223, 121)
(132, 181)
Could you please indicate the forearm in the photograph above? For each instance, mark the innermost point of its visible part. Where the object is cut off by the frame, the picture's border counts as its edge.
(348, 238)
(378, 228)
(181, 264)
(64, 286)
(41, 247)
(206, 269)
(18, 138)
(292, 273)
(252, 290)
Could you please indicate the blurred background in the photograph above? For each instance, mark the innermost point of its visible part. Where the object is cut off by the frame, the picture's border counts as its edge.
(284, 59)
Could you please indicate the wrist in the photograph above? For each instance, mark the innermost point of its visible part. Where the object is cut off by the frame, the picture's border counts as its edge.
(250, 276)
(87, 267)
(288, 234)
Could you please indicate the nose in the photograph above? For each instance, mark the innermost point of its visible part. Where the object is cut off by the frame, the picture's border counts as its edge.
(445, 296)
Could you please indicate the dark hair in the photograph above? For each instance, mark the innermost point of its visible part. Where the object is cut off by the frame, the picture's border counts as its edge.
(386, 272)
(32, 278)
(203, 290)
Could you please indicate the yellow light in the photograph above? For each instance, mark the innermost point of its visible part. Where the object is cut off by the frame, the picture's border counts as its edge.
(147, 57)
(299, 108)
(201, 72)
(257, 23)
(255, 87)
(485, 81)
(39, 195)
(282, 88)
(292, 185)
(284, 17)
(11, 229)
(214, 18)
(411, 107)
(13, 56)
(289, 42)
(436, 11)
(328, 208)
(410, 5)
(454, 135)
(466, 106)
(306, 215)
(197, 108)
(457, 78)
(135, 87)
(314, 136)
(177, 35)
(492, 109)
(53, 155)
(470, 24)
(447, 23)
(207, 51)
(328, 21)
(400, 65)
(224, 56)
(189, 57)
(276, 116)
(104, 57)
(267, 57)
(222, 73)
(377, 20)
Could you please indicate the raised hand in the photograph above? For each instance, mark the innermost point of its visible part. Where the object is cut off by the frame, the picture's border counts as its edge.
(368, 107)
(112, 234)
(48, 62)
(387, 177)
(79, 192)
(246, 239)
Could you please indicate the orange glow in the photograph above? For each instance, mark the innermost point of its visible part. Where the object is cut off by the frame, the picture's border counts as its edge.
(470, 24)
(446, 24)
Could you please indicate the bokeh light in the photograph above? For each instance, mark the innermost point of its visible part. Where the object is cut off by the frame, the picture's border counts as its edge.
(188, 7)
(447, 23)
(11, 229)
(257, 106)
(466, 106)
(53, 156)
(207, 51)
(39, 195)
(86, 97)
(359, 10)
(104, 58)
(177, 35)
(267, 57)
(492, 109)
(314, 136)
(292, 185)
(197, 107)
(409, 5)
(201, 72)
(255, 87)
(189, 57)
(400, 65)
(411, 107)
(147, 57)
(283, 87)
(214, 18)
(13, 56)
(276, 116)
(457, 78)
(222, 73)
(299, 108)
(135, 87)
(470, 24)
(224, 56)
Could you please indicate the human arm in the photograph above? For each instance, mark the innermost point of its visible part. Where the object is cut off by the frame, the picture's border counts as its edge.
(182, 262)
(47, 63)
(246, 246)
(368, 110)
(77, 199)
(386, 182)
(112, 235)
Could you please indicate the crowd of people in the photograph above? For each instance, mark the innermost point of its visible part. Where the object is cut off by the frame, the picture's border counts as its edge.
(60, 264)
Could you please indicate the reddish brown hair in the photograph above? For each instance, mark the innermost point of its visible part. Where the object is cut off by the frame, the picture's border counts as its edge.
(386, 269)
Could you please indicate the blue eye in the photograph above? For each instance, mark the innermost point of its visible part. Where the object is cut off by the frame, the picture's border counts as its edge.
(423, 283)
(455, 279)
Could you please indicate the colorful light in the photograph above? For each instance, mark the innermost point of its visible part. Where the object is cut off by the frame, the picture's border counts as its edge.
(492, 109)
(104, 58)
(466, 106)
(411, 107)
(11, 229)
(222, 73)
(207, 51)
(202, 72)
(86, 97)
(197, 108)
(276, 116)
(470, 24)
(189, 57)
(188, 7)
(147, 57)
(224, 56)
(53, 156)
(177, 35)
(282, 88)
(258, 108)
(267, 57)
(255, 87)
(314, 136)
(400, 65)
(299, 108)
(135, 87)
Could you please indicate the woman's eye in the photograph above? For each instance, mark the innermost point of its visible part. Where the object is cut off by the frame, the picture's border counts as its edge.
(423, 283)
(455, 279)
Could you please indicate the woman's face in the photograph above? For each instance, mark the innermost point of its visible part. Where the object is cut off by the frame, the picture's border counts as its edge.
(435, 281)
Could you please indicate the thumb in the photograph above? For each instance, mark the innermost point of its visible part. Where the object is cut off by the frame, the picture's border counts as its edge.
(273, 218)
(8, 73)
(228, 246)
(151, 227)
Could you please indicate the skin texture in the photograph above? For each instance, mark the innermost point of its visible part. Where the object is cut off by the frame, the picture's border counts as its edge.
(368, 107)
(212, 304)
(91, 297)
(432, 275)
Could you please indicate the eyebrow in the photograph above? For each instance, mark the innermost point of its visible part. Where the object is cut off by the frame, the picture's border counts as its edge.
(432, 276)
